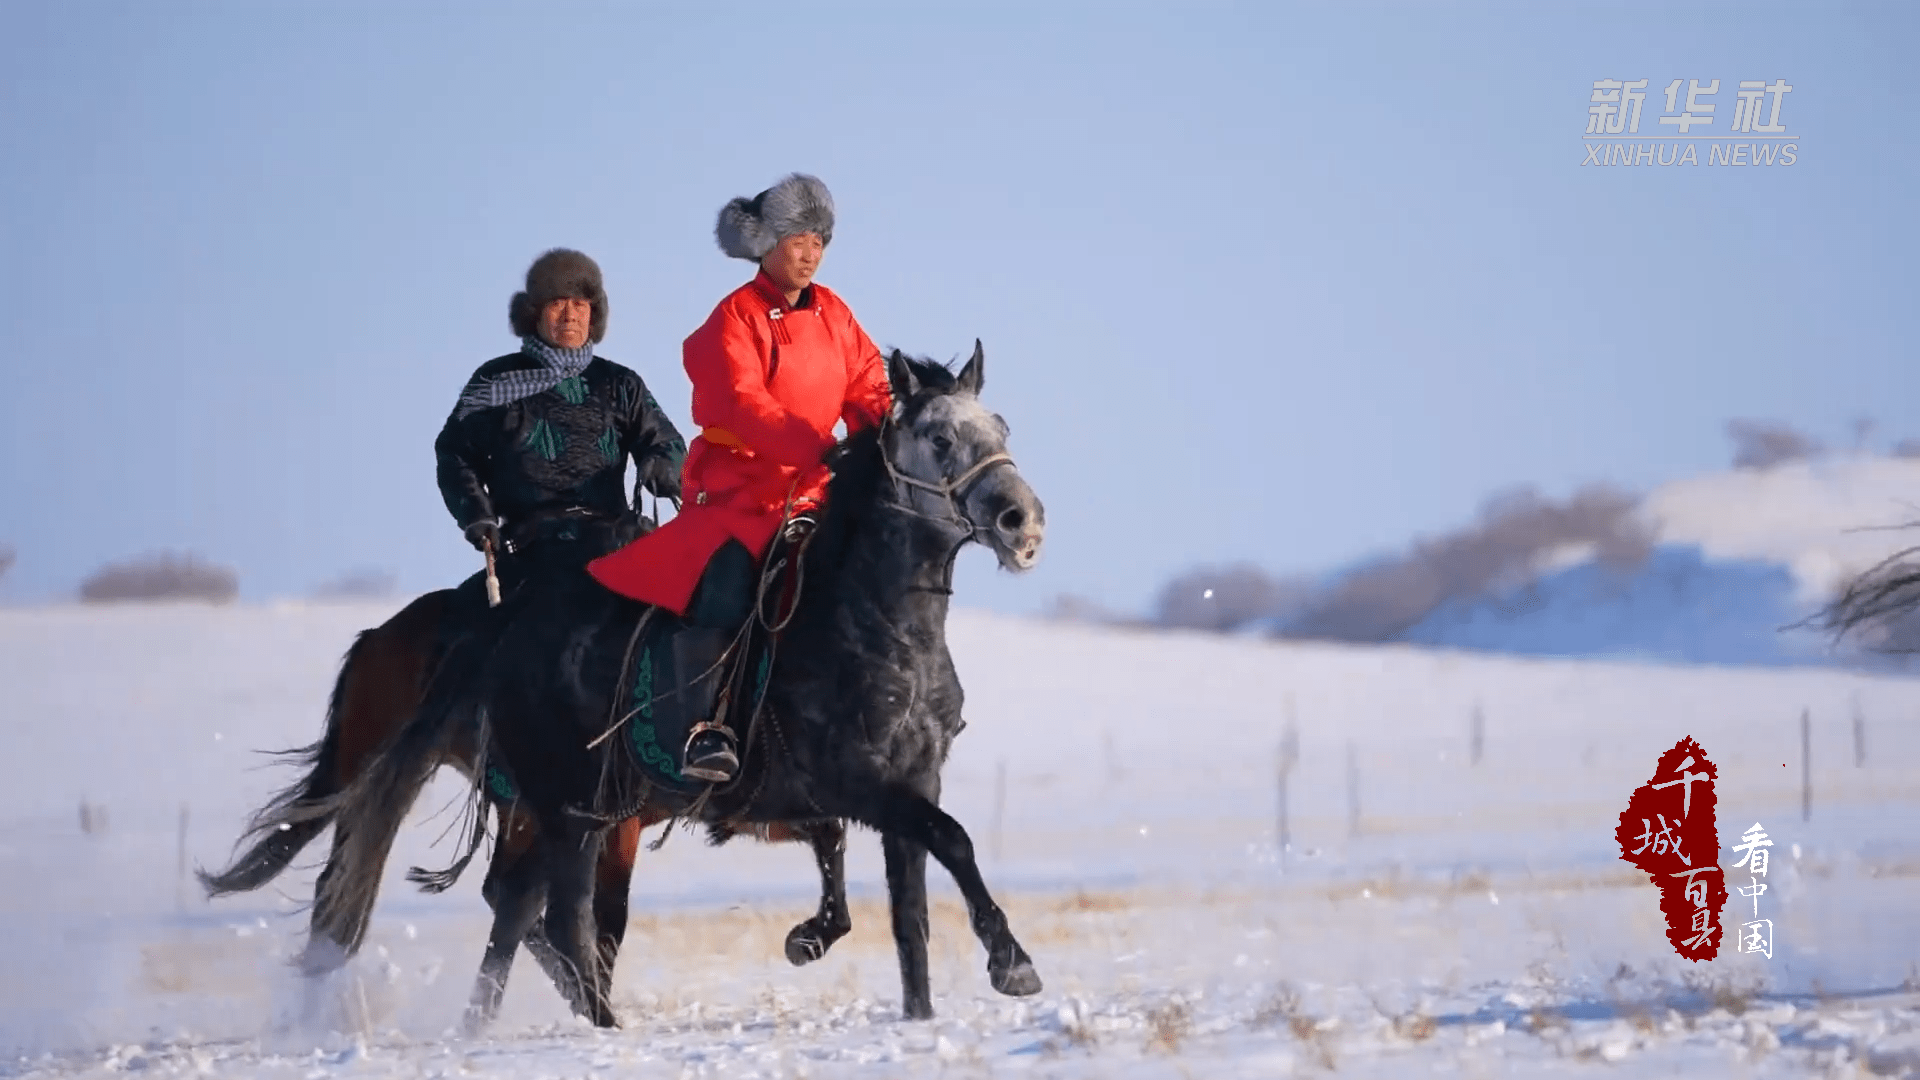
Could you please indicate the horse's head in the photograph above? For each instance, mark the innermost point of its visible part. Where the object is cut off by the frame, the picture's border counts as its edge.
(947, 457)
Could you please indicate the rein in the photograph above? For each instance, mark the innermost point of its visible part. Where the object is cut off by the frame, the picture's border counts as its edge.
(952, 490)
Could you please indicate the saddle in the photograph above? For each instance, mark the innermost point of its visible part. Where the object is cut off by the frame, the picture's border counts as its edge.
(673, 684)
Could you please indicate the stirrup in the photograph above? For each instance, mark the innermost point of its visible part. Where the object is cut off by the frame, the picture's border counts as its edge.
(725, 762)
(798, 527)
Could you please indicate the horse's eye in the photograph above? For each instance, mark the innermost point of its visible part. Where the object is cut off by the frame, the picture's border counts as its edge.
(942, 444)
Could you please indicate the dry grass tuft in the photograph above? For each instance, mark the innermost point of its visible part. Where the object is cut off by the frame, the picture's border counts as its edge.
(1414, 1027)
(1733, 995)
(1169, 1024)
(1314, 1032)
(1085, 901)
(1284, 1003)
(1541, 1020)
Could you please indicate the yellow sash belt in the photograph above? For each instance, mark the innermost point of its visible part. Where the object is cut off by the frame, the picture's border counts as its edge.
(720, 436)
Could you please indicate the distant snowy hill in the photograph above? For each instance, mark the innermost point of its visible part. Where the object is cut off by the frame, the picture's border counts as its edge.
(1739, 556)
(1823, 520)
(1679, 605)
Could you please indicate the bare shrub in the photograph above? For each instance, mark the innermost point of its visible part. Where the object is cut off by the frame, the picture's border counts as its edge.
(1073, 608)
(1226, 597)
(6, 559)
(1762, 444)
(362, 584)
(1503, 549)
(1880, 607)
(164, 576)
(1907, 448)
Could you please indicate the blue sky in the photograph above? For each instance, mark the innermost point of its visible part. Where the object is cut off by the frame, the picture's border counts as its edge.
(1288, 284)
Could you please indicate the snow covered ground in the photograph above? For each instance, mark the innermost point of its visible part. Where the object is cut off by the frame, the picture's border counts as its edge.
(1435, 912)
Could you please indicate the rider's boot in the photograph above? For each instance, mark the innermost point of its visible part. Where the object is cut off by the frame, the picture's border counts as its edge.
(709, 754)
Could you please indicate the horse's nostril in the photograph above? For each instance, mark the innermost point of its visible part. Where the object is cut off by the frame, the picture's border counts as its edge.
(1012, 520)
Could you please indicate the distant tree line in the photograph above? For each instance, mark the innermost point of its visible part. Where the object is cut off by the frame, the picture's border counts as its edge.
(162, 576)
(1764, 444)
(173, 575)
(1505, 547)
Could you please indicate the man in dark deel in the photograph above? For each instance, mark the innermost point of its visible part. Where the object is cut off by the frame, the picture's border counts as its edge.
(533, 459)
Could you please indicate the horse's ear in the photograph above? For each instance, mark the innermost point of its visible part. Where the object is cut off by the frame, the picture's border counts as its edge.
(900, 374)
(974, 375)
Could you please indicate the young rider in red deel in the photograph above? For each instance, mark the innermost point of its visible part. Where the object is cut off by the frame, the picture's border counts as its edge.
(776, 366)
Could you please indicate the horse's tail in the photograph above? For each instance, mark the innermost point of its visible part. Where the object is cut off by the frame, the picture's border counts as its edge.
(474, 813)
(290, 820)
(367, 816)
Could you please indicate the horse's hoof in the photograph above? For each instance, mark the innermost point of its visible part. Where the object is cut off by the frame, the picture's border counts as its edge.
(474, 1023)
(1020, 980)
(321, 957)
(804, 946)
(917, 1010)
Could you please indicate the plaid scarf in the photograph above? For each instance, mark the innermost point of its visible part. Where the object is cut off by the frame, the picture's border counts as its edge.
(556, 365)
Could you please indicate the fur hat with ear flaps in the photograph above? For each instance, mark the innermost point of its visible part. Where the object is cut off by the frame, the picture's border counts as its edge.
(748, 228)
(560, 274)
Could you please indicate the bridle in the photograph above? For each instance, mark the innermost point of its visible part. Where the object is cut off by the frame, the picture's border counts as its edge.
(953, 490)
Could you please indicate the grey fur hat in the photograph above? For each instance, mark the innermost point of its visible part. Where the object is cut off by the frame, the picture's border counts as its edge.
(748, 228)
(561, 273)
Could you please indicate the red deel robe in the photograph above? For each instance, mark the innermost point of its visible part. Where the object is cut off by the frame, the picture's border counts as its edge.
(769, 383)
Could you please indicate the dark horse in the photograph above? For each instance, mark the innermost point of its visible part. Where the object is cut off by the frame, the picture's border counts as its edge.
(860, 706)
(381, 683)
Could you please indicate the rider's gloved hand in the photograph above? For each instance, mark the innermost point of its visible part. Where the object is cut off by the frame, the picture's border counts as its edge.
(484, 533)
(659, 476)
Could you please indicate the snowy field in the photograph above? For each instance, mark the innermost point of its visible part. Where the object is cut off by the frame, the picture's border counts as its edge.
(1434, 915)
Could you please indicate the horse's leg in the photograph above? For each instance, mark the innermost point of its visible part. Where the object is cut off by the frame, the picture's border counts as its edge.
(518, 829)
(907, 900)
(897, 812)
(570, 861)
(515, 886)
(612, 883)
(810, 940)
(322, 954)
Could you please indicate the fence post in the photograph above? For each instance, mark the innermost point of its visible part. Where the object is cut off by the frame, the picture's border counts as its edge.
(1859, 735)
(1806, 765)
(180, 874)
(1477, 740)
(1289, 754)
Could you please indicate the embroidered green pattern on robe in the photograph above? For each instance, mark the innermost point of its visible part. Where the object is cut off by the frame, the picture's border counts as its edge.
(544, 440)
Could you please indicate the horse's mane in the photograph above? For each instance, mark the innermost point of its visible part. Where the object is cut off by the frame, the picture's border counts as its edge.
(857, 466)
